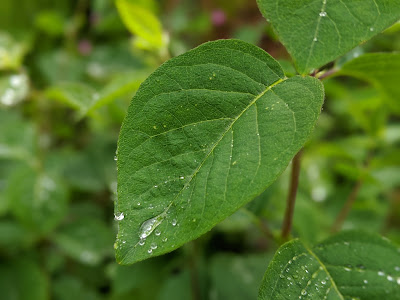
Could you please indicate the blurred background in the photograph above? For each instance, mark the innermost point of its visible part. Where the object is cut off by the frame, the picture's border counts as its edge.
(68, 70)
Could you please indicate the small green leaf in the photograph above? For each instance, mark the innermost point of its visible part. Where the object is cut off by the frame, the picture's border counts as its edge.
(141, 22)
(12, 52)
(382, 70)
(206, 132)
(87, 240)
(350, 265)
(17, 137)
(77, 95)
(317, 32)
(37, 200)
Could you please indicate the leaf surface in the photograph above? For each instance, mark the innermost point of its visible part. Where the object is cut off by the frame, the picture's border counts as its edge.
(205, 133)
(317, 32)
(350, 265)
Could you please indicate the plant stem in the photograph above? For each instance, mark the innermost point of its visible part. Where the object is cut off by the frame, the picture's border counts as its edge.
(347, 207)
(324, 75)
(194, 278)
(291, 199)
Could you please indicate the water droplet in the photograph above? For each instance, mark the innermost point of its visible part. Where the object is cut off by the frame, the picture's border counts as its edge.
(289, 278)
(119, 216)
(380, 273)
(390, 278)
(287, 270)
(398, 280)
(290, 261)
(123, 242)
(347, 269)
(281, 276)
(182, 177)
(322, 14)
(153, 246)
(323, 282)
(371, 29)
(361, 267)
(365, 281)
(315, 39)
(115, 158)
(156, 186)
(346, 243)
(150, 251)
(397, 268)
(157, 232)
(165, 239)
(142, 242)
(148, 226)
(138, 203)
(303, 292)
(173, 222)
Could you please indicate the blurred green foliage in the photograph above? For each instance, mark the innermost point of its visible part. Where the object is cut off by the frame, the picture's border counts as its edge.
(68, 70)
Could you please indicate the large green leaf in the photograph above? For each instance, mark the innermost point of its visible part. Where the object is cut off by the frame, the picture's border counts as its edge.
(317, 32)
(206, 132)
(382, 70)
(351, 265)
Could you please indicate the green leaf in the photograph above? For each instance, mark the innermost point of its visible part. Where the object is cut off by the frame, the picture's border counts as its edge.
(87, 240)
(12, 52)
(37, 200)
(237, 277)
(206, 132)
(380, 69)
(141, 22)
(22, 279)
(317, 32)
(71, 288)
(77, 95)
(17, 137)
(119, 86)
(350, 265)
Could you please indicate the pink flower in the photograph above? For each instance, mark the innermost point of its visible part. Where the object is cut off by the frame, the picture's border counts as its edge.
(218, 17)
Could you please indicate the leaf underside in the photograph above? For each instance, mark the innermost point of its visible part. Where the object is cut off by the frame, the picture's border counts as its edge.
(317, 32)
(205, 133)
(351, 265)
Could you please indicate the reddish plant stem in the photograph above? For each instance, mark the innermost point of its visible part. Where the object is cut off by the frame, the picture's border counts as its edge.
(347, 207)
(291, 199)
(194, 279)
(326, 74)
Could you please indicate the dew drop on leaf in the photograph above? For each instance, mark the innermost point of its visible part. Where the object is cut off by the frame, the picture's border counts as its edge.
(119, 216)
(148, 226)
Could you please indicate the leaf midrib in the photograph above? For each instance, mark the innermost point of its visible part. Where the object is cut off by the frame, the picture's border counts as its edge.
(326, 271)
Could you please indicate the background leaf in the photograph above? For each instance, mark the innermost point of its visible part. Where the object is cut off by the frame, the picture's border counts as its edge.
(236, 122)
(22, 279)
(317, 32)
(141, 21)
(350, 265)
(382, 70)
